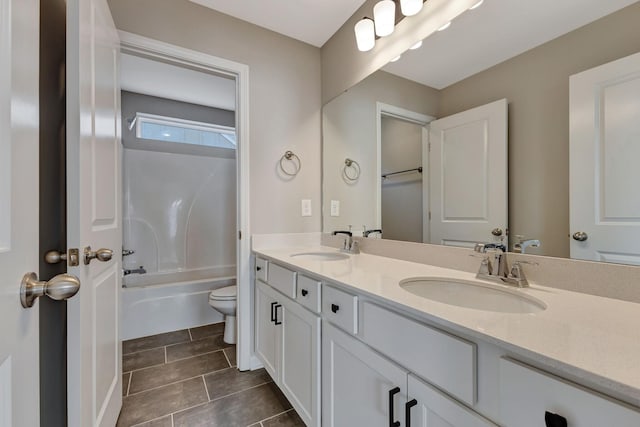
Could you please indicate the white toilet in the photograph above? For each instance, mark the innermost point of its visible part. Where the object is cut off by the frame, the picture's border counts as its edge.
(224, 300)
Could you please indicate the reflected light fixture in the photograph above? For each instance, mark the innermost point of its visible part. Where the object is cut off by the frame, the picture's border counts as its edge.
(476, 5)
(445, 26)
(384, 16)
(416, 46)
(410, 7)
(396, 58)
(365, 34)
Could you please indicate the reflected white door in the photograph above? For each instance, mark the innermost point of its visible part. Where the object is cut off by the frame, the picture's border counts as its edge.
(604, 159)
(94, 213)
(19, 374)
(468, 170)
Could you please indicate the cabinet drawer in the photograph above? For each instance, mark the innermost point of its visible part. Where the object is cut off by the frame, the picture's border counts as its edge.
(261, 269)
(309, 293)
(340, 308)
(442, 359)
(282, 279)
(527, 393)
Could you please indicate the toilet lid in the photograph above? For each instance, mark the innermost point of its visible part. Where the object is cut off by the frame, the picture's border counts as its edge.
(226, 293)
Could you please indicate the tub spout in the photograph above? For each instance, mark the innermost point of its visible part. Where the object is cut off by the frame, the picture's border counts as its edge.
(139, 270)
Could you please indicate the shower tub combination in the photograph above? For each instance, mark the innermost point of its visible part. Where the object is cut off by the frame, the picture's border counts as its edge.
(163, 302)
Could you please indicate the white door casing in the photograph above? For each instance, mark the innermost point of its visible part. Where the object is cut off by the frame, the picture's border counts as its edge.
(604, 154)
(468, 170)
(94, 213)
(19, 146)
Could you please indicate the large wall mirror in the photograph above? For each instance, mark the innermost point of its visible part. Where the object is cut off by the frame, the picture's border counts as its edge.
(519, 123)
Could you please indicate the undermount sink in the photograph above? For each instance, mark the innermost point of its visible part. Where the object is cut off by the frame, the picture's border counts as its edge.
(476, 295)
(321, 256)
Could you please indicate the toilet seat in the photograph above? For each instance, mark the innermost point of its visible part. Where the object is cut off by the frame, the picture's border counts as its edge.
(227, 293)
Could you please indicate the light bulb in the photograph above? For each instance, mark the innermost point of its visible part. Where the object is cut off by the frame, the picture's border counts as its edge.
(365, 35)
(396, 58)
(410, 7)
(476, 5)
(416, 46)
(445, 26)
(384, 15)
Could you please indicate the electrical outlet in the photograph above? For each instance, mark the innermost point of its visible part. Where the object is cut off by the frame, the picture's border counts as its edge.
(335, 208)
(306, 207)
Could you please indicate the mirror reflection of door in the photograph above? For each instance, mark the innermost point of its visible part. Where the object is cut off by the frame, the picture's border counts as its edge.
(403, 205)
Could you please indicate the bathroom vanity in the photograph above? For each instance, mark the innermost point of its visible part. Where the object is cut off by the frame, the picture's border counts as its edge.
(351, 342)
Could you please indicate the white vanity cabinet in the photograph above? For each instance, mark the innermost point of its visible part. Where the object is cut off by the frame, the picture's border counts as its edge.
(287, 341)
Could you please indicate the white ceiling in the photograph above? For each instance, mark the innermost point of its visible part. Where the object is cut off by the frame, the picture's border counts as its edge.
(494, 32)
(311, 21)
(181, 84)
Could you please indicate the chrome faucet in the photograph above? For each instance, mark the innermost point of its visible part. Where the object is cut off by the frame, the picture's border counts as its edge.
(349, 246)
(501, 273)
(366, 233)
(522, 245)
(139, 270)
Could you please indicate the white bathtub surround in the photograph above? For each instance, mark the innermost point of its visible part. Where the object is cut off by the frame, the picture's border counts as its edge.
(595, 278)
(585, 338)
(150, 310)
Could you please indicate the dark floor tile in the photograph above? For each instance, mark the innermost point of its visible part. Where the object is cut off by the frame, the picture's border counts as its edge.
(195, 348)
(160, 422)
(223, 383)
(142, 359)
(125, 382)
(288, 419)
(238, 410)
(161, 401)
(231, 355)
(207, 330)
(147, 378)
(154, 341)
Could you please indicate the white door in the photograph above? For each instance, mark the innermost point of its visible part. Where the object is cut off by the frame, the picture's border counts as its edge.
(94, 213)
(468, 170)
(428, 407)
(357, 383)
(604, 157)
(19, 375)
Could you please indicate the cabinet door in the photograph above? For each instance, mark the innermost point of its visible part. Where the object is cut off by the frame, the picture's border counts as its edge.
(300, 368)
(356, 383)
(434, 409)
(267, 332)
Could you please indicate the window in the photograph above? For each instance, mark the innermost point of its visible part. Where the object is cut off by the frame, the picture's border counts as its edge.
(160, 128)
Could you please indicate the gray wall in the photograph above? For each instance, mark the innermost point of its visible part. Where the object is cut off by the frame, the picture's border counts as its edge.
(536, 84)
(285, 99)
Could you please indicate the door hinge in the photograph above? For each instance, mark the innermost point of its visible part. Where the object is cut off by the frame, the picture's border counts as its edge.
(429, 147)
(429, 215)
(239, 234)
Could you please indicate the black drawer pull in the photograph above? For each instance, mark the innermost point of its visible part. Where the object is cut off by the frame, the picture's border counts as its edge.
(392, 422)
(273, 316)
(304, 292)
(276, 313)
(335, 308)
(407, 412)
(554, 420)
(258, 268)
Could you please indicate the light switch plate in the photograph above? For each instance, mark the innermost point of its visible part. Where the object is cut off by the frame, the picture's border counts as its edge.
(335, 208)
(306, 207)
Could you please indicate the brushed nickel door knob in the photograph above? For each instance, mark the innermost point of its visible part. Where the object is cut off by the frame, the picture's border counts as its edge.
(102, 254)
(497, 232)
(580, 236)
(61, 287)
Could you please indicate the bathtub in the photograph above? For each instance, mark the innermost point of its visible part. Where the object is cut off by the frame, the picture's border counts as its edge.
(164, 302)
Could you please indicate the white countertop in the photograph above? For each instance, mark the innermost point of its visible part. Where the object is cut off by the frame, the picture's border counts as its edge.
(592, 338)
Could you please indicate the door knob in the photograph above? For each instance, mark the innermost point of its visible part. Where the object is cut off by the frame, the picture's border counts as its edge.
(61, 287)
(102, 254)
(497, 232)
(580, 236)
(54, 257)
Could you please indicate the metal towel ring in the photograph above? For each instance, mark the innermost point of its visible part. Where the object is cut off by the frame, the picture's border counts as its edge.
(290, 155)
(351, 164)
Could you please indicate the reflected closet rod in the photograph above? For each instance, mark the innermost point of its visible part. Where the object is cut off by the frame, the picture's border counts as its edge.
(419, 170)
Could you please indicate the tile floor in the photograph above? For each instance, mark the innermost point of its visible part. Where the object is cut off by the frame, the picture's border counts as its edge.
(188, 378)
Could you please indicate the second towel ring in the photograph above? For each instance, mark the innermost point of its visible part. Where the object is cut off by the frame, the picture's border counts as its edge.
(351, 165)
(292, 157)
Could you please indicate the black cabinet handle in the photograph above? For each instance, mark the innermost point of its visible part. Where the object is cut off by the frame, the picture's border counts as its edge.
(273, 316)
(335, 308)
(554, 420)
(407, 411)
(276, 313)
(304, 292)
(258, 268)
(392, 422)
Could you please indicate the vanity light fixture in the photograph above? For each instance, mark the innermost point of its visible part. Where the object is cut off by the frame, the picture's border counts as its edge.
(384, 16)
(365, 34)
(396, 58)
(416, 46)
(477, 5)
(410, 7)
(445, 26)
